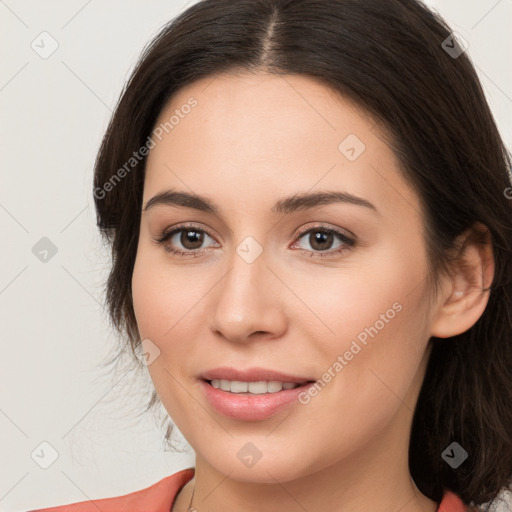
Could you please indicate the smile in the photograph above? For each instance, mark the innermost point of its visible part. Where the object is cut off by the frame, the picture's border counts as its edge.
(255, 388)
(251, 401)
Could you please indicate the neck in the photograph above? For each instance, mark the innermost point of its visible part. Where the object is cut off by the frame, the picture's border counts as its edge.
(231, 496)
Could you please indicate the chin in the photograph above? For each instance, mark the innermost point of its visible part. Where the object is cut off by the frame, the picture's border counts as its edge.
(247, 463)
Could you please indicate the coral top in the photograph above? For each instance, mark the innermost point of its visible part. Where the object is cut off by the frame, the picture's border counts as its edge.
(160, 498)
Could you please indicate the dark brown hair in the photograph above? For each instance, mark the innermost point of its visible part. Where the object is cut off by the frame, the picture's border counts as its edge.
(393, 60)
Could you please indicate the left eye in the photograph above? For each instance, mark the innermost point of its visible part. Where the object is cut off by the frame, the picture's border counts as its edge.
(322, 239)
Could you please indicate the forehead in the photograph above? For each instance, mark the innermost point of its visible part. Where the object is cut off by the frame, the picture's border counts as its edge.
(263, 113)
(269, 135)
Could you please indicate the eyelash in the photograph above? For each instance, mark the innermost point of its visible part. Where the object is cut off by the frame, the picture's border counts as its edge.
(348, 242)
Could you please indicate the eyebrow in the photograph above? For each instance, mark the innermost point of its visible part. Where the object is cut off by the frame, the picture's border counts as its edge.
(296, 202)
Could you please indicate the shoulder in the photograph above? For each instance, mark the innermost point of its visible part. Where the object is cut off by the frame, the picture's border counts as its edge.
(160, 496)
(452, 503)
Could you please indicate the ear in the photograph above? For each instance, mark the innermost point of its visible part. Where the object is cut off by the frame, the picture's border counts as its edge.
(465, 293)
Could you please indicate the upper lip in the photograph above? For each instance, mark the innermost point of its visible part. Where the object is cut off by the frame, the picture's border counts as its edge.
(252, 375)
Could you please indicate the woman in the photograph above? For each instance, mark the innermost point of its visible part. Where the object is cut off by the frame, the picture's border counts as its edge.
(309, 209)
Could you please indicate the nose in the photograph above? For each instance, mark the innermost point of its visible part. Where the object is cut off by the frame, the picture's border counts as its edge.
(249, 302)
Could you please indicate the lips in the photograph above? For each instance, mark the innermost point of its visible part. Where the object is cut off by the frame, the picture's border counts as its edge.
(253, 375)
(249, 407)
(246, 406)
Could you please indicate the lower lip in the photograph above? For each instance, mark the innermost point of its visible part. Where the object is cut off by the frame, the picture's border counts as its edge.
(249, 407)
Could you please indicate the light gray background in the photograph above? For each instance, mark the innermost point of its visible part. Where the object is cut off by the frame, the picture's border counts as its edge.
(54, 330)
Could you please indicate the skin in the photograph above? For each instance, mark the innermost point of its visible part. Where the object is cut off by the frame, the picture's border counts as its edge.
(251, 140)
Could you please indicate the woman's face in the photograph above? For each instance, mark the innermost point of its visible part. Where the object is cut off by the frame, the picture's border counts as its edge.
(263, 285)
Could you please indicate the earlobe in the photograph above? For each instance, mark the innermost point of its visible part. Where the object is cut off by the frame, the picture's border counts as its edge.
(467, 294)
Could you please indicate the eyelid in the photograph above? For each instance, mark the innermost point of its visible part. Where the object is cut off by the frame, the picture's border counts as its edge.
(326, 227)
(302, 230)
(168, 233)
(347, 237)
(348, 241)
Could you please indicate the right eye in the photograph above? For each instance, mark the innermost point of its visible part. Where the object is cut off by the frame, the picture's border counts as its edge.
(189, 236)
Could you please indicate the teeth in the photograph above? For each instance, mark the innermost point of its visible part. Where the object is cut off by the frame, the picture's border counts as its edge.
(255, 388)
(225, 385)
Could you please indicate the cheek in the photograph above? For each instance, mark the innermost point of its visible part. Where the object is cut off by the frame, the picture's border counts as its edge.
(378, 296)
(369, 370)
(329, 310)
(377, 303)
(165, 314)
(163, 296)
(370, 329)
(147, 303)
